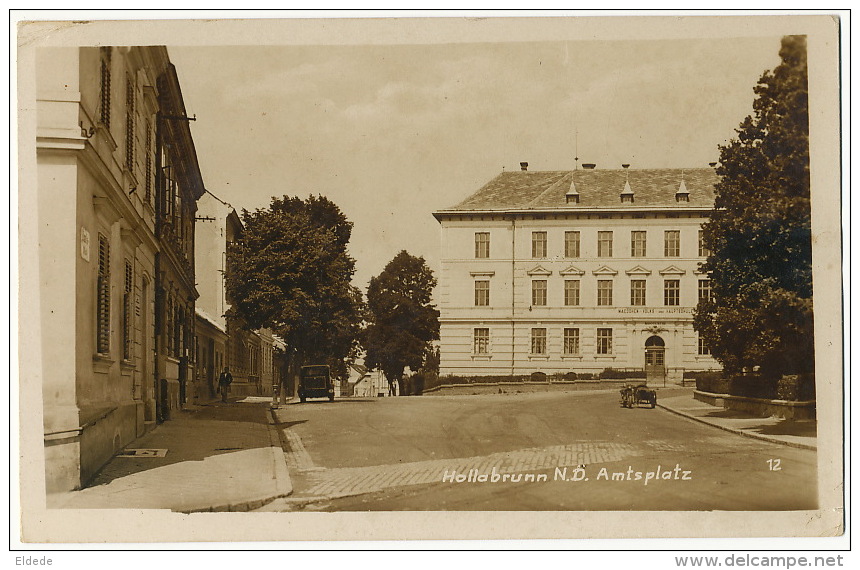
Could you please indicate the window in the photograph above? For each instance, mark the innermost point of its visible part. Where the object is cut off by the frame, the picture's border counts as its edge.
(482, 293)
(171, 317)
(704, 349)
(538, 341)
(705, 290)
(571, 244)
(571, 292)
(637, 244)
(103, 297)
(571, 341)
(482, 245)
(482, 341)
(127, 315)
(129, 124)
(703, 251)
(147, 176)
(682, 197)
(538, 244)
(673, 243)
(671, 292)
(627, 198)
(539, 292)
(104, 88)
(604, 244)
(604, 292)
(604, 341)
(637, 292)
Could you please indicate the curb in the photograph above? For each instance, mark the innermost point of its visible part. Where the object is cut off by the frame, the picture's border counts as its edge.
(281, 473)
(279, 458)
(739, 431)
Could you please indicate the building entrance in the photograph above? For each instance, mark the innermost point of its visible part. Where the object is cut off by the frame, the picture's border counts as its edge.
(655, 360)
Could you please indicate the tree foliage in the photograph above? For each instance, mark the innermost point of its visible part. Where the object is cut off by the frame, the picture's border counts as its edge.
(290, 271)
(402, 322)
(759, 232)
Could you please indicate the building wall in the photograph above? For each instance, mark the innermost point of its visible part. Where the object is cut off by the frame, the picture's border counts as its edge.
(211, 357)
(179, 185)
(510, 315)
(210, 257)
(95, 399)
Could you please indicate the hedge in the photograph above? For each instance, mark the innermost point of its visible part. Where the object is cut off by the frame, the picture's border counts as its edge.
(796, 387)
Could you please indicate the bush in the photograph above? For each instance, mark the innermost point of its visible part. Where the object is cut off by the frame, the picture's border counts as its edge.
(794, 387)
(613, 374)
(712, 382)
(753, 385)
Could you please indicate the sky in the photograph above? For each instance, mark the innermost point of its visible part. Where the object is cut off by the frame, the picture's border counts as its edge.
(392, 133)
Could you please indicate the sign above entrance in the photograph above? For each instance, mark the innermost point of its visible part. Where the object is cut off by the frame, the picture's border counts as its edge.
(657, 310)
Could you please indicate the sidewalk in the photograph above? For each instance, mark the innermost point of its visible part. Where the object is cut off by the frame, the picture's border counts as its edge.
(795, 433)
(219, 457)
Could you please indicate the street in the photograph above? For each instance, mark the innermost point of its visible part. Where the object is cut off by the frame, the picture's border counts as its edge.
(538, 451)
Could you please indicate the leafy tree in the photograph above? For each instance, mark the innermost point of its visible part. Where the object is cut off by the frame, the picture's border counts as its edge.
(290, 271)
(402, 322)
(759, 232)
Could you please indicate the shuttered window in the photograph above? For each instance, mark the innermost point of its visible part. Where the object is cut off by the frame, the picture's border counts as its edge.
(147, 177)
(104, 90)
(127, 314)
(129, 124)
(103, 297)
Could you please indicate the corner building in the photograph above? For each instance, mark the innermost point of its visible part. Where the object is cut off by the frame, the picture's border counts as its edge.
(114, 279)
(576, 271)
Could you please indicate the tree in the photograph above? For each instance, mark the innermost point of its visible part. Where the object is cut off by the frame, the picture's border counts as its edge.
(290, 271)
(402, 322)
(759, 232)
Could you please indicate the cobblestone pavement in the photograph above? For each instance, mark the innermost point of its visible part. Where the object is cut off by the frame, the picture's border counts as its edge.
(319, 482)
(341, 482)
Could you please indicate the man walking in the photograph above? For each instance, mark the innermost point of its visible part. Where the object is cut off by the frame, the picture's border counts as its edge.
(224, 381)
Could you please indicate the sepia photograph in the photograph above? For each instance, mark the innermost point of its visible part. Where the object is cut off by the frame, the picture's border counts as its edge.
(412, 278)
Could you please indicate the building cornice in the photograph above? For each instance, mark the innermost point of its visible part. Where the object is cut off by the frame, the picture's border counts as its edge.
(505, 213)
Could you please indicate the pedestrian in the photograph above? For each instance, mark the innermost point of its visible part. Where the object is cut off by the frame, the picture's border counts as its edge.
(224, 381)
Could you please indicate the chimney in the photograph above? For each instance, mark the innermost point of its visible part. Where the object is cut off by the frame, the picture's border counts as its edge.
(588, 165)
(524, 166)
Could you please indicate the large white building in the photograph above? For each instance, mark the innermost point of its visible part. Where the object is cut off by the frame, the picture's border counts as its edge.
(575, 271)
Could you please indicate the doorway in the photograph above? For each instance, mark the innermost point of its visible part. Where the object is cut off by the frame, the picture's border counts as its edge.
(655, 360)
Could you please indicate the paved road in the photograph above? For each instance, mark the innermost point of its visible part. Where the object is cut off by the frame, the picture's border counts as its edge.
(523, 451)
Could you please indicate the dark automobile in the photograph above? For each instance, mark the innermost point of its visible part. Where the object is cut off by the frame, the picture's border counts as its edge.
(315, 382)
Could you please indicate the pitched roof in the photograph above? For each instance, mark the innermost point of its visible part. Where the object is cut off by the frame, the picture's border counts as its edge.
(598, 189)
(209, 319)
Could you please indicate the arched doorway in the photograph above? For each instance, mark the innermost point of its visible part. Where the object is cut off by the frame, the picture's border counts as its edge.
(655, 360)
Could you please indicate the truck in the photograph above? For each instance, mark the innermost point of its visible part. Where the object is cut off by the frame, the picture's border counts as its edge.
(315, 382)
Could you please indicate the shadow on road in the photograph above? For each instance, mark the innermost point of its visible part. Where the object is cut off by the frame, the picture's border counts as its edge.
(806, 428)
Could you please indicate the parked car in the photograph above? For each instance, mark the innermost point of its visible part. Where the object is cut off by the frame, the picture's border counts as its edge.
(633, 396)
(315, 382)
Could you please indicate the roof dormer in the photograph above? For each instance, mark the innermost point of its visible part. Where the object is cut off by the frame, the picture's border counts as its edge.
(682, 195)
(627, 193)
(572, 196)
